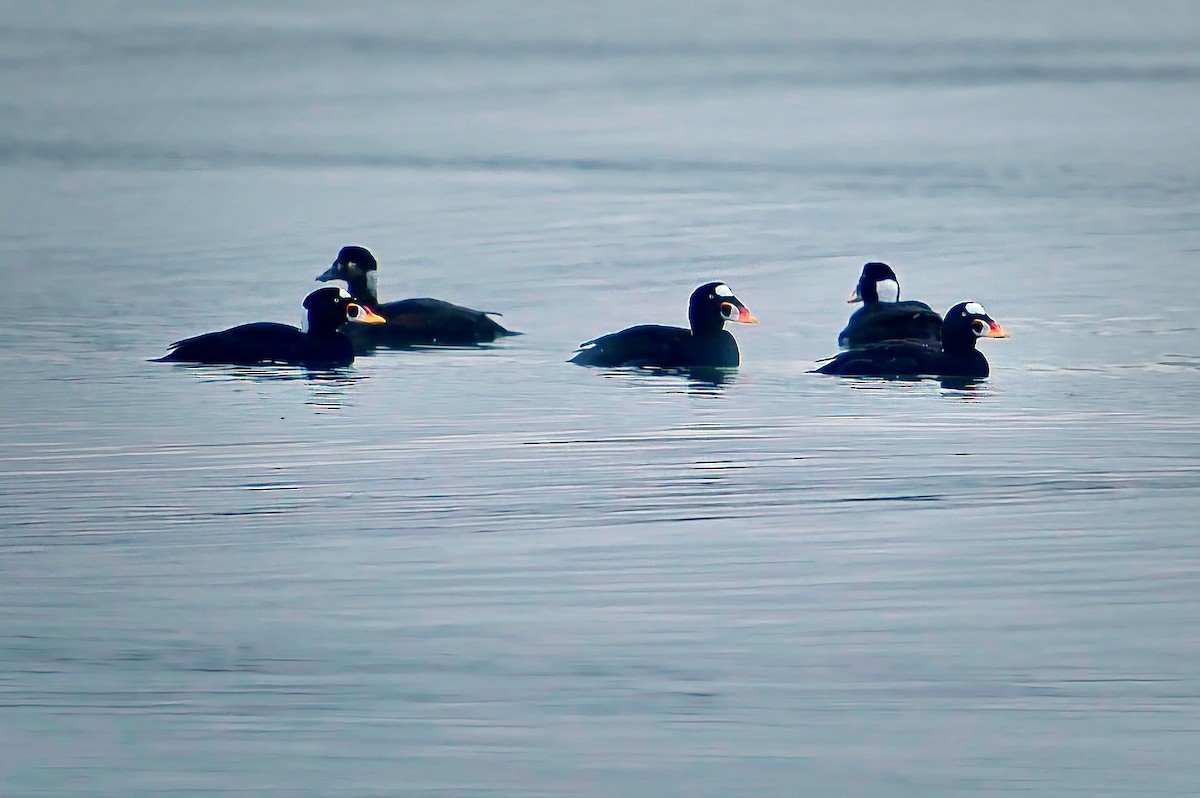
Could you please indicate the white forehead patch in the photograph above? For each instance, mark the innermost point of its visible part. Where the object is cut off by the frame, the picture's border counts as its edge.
(723, 290)
(344, 294)
(975, 309)
(889, 290)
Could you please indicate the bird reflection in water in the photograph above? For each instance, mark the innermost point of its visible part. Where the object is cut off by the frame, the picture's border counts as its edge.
(963, 389)
(328, 389)
(695, 381)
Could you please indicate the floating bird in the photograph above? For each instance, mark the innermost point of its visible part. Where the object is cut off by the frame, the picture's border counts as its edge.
(883, 317)
(409, 321)
(955, 356)
(318, 344)
(706, 344)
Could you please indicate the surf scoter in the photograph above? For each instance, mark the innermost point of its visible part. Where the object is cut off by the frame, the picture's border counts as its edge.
(883, 317)
(318, 344)
(707, 344)
(409, 321)
(956, 356)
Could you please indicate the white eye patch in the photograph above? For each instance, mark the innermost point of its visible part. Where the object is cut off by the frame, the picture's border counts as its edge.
(889, 290)
(975, 309)
(723, 290)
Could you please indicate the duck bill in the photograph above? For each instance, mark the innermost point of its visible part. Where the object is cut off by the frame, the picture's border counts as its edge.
(364, 315)
(994, 330)
(744, 316)
(332, 273)
(855, 296)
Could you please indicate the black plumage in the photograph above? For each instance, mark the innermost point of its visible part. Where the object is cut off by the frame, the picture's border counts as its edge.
(705, 344)
(883, 317)
(320, 344)
(410, 322)
(955, 356)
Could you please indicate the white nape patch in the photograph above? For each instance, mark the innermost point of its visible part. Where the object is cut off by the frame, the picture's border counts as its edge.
(889, 290)
(304, 322)
(373, 283)
(975, 309)
(723, 290)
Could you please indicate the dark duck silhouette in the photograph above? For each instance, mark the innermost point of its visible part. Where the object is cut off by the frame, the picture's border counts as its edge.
(883, 317)
(955, 356)
(409, 321)
(706, 345)
(318, 345)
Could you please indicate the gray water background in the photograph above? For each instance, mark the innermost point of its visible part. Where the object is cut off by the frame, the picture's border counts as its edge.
(487, 572)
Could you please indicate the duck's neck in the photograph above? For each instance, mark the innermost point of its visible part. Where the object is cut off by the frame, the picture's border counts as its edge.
(958, 346)
(706, 326)
(319, 328)
(363, 288)
(881, 291)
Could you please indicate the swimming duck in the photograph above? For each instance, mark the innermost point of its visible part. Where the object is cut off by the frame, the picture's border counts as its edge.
(955, 356)
(409, 321)
(706, 344)
(883, 317)
(318, 344)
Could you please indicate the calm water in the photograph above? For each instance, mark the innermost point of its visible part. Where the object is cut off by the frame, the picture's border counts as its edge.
(486, 572)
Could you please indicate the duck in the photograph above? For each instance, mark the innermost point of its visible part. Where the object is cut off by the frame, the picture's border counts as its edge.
(954, 356)
(883, 317)
(317, 344)
(410, 322)
(705, 344)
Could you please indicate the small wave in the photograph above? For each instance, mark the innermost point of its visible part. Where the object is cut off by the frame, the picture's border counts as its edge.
(1172, 364)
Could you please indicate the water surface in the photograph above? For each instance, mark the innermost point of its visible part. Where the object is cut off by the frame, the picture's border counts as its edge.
(487, 572)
